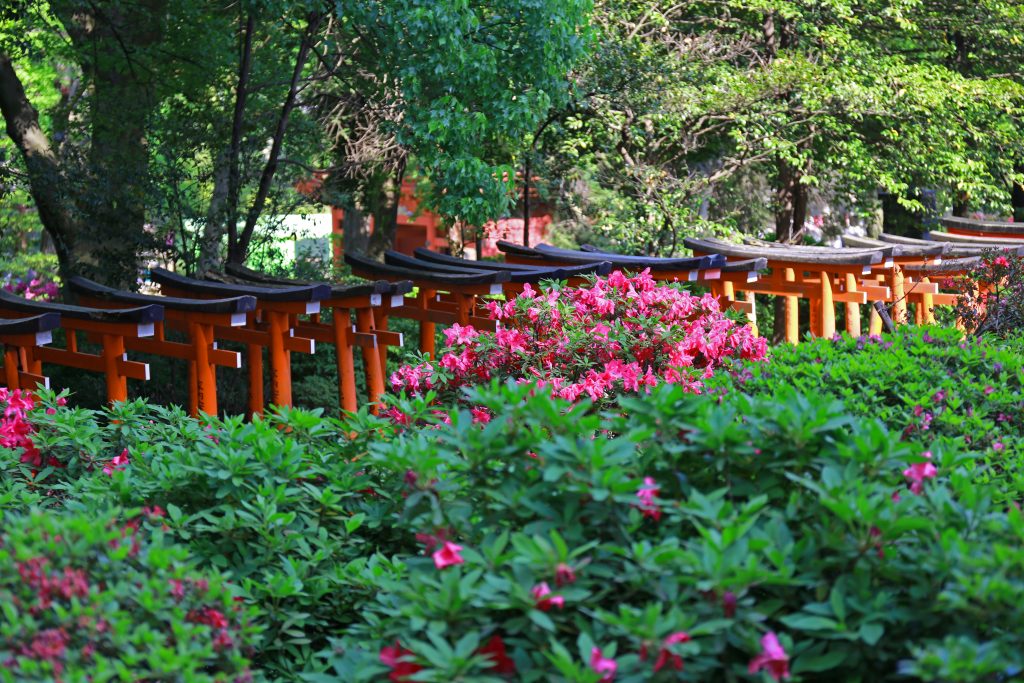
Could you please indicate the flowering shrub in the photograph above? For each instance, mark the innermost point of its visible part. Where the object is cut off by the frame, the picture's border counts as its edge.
(991, 296)
(618, 335)
(31, 286)
(88, 597)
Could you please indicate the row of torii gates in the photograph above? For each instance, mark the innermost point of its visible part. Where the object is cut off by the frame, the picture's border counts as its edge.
(283, 316)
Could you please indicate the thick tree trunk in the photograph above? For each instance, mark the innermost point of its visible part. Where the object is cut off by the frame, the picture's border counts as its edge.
(384, 206)
(1017, 198)
(355, 228)
(46, 183)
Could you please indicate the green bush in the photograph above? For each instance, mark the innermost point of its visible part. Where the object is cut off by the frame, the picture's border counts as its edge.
(560, 543)
(99, 598)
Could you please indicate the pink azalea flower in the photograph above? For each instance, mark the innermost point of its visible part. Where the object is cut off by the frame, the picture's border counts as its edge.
(602, 665)
(773, 658)
(918, 472)
(117, 463)
(998, 446)
(564, 574)
(398, 659)
(666, 656)
(541, 593)
(447, 555)
(647, 494)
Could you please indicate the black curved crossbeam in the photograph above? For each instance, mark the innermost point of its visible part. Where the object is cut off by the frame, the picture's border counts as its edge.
(238, 304)
(619, 261)
(930, 250)
(836, 257)
(955, 265)
(748, 265)
(955, 249)
(338, 290)
(375, 268)
(595, 268)
(972, 225)
(142, 315)
(44, 322)
(533, 275)
(301, 293)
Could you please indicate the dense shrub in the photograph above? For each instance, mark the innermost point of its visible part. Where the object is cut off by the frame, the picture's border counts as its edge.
(104, 597)
(991, 296)
(618, 334)
(929, 384)
(738, 535)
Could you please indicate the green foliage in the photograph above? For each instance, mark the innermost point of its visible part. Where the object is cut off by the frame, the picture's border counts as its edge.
(770, 507)
(105, 596)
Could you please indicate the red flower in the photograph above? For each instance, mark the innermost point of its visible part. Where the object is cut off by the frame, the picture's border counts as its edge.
(564, 574)
(494, 649)
(448, 555)
(602, 665)
(647, 493)
(729, 604)
(540, 594)
(918, 472)
(773, 657)
(398, 659)
(118, 463)
(665, 655)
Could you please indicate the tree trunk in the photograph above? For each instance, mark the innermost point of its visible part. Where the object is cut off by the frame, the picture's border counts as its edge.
(1017, 197)
(355, 228)
(238, 249)
(384, 206)
(222, 215)
(526, 199)
(46, 182)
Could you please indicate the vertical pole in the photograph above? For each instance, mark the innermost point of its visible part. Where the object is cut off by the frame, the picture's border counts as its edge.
(374, 361)
(254, 359)
(117, 384)
(341, 323)
(427, 329)
(206, 383)
(378, 321)
(927, 306)
(852, 309)
(899, 306)
(828, 307)
(792, 312)
(280, 361)
(11, 367)
(752, 318)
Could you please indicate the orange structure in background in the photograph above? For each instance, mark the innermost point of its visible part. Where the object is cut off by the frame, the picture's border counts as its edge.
(421, 228)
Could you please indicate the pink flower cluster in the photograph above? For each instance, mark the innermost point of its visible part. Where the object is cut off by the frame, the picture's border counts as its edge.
(32, 287)
(619, 334)
(15, 429)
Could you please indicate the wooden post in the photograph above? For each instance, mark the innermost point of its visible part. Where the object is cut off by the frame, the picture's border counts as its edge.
(206, 383)
(372, 358)
(792, 312)
(11, 367)
(752, 318)
(828, 307)
(899, 300)
(927, 306)
(852, 309)
(280, 360)
(117, 384)
(428, 330)
(341, 326)
(254, 360)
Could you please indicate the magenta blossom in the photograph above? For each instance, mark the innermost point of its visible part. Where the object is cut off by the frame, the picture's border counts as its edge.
(447, 555)
(543, 598)
(603, 665)
(918, 472)
(773, 658)
(116, 464)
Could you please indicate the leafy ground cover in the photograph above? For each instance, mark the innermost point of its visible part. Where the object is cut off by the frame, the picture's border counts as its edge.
(802, 520)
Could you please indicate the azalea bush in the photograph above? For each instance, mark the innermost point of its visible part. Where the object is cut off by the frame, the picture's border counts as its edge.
(616, 335)
(990, 297)
(105, 597)
(929, 385)
(796, 521)
(32, 285)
